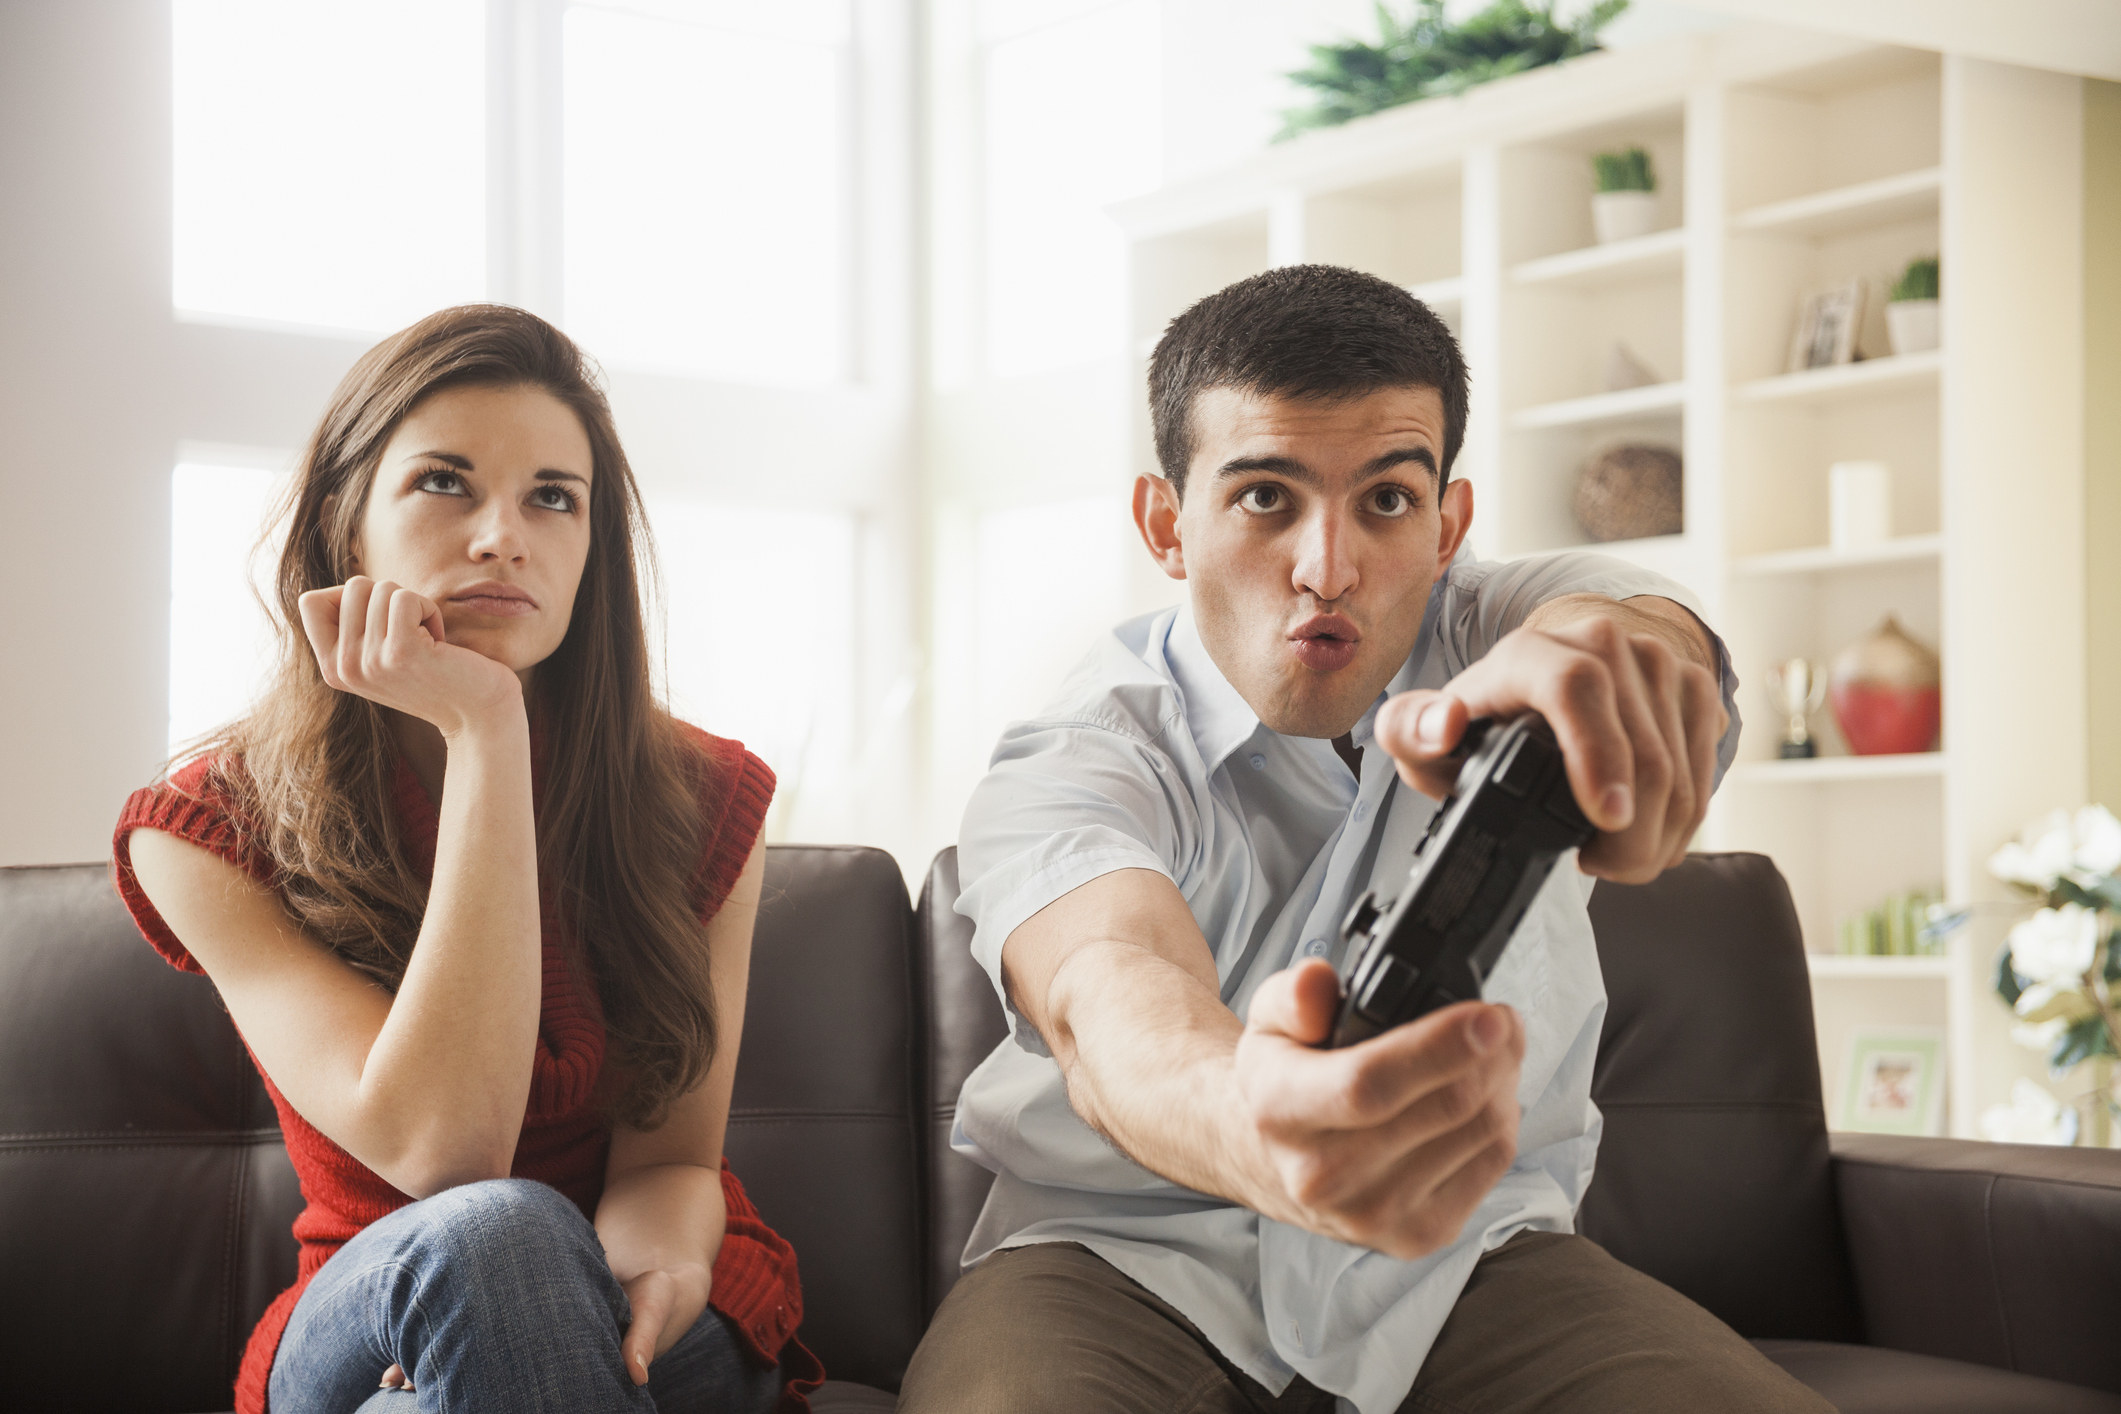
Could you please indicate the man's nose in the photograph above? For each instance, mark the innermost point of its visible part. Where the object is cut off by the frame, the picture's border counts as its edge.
(1325, 563)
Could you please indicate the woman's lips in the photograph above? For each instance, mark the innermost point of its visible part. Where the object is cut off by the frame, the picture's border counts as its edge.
(1325, 642)
(495, 601)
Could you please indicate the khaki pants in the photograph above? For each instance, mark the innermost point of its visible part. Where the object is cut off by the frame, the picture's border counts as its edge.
(1548, 1322)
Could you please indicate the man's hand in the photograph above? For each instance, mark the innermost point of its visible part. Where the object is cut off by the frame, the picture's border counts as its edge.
(1389, 1144)
(1628, 690)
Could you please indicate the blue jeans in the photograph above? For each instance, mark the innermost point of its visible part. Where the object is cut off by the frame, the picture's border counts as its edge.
(493, 1296)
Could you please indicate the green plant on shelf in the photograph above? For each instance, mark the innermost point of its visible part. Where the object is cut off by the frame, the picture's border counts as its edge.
(1918, 281)
(1627, 170)
(1427, 54)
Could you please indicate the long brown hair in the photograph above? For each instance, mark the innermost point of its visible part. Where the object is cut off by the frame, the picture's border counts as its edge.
(619, 817)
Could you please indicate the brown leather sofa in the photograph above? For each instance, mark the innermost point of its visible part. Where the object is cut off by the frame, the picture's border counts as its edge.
(145, 1197)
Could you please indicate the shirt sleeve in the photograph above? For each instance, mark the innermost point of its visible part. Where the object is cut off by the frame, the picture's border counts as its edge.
(1483, 601)
(193, 806)
(1062, 804)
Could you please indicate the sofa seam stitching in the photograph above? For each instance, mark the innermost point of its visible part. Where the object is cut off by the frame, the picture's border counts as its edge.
(1995, 1273)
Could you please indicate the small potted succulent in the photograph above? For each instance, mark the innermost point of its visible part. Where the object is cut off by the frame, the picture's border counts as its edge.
(1625, 205)
(1911, 308)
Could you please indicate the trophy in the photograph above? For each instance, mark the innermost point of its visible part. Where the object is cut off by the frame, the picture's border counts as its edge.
(1796, 687)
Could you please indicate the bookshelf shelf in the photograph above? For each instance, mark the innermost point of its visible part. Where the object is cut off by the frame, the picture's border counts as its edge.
(1897, 198)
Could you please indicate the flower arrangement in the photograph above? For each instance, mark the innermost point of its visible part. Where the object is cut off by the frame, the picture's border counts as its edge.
(2060, 971)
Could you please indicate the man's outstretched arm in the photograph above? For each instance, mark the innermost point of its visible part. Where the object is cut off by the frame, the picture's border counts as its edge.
(1390, 1144)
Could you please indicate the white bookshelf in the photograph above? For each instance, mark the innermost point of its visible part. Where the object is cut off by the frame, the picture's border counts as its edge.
(1787, 162)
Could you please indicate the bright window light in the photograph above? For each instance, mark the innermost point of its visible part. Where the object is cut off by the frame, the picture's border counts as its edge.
(760, 613)
(330, 159)
(1073, 123)
(707, 173)
(1050, 578)
(221, 643)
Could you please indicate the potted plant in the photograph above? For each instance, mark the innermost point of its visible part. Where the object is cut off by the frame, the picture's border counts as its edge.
(1911, 308)
(1625, 205)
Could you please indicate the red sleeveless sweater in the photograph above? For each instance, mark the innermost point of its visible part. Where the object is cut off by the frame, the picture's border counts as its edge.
(566, 1136)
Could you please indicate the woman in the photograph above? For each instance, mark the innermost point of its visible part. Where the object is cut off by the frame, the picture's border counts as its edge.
(482, 912)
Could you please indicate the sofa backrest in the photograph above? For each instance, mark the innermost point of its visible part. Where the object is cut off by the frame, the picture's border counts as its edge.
(1713, 1169)
(145, 1197)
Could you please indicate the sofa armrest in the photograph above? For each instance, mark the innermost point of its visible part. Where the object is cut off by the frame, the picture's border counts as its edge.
(2004, 1254)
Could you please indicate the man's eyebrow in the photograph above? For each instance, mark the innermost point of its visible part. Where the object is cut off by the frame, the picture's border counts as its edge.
(1280, 466)
(1400, 456)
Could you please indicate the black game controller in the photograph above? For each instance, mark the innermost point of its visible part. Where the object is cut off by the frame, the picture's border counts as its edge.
(1489, 848)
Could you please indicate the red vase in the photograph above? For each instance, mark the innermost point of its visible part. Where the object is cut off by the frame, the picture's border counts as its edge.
(1885, 693)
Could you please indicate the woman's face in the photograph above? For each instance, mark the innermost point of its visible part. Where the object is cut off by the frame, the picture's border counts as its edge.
(481, 503)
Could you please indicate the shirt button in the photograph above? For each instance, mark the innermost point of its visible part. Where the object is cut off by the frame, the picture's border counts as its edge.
(1362, 809)
(1259, 762)
(1316, 947)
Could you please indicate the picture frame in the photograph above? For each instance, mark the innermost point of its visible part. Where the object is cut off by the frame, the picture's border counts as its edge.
(1828, 322)
(1893, 1082)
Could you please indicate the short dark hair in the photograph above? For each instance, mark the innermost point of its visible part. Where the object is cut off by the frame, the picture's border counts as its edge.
(1302, 331)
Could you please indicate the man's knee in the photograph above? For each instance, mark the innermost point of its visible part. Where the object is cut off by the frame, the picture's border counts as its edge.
(1052, 1327)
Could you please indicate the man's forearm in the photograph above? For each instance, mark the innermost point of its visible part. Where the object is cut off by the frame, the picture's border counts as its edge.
(1664, 619)
(1146, 1049)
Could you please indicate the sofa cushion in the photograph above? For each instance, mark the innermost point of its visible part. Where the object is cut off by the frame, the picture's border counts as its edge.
(1713, 1172)
(1863, 1379)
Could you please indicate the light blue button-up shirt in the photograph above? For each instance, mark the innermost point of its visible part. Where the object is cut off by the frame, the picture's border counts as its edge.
(1149, 759)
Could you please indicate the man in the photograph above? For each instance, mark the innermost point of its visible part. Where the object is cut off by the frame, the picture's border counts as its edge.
(1195, 1206)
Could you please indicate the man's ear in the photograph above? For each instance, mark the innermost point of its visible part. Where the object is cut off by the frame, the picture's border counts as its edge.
(1455, 512)
(1156, 517)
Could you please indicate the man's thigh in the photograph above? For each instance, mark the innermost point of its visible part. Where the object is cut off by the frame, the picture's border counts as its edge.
(1550, 1322)
(1051, 1327)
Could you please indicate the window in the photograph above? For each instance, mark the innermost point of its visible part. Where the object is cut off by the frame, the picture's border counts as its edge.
(221, 644)
(1073, 123)
(329, 159)
(761, 615)
(707, 182)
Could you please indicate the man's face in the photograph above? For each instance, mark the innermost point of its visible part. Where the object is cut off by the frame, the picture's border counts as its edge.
(1310, 535)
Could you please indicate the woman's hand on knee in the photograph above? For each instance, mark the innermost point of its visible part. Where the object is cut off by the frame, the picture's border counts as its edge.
(665, 1301)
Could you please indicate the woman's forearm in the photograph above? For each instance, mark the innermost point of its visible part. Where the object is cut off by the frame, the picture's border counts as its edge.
(451, 1065)
(663, 1217)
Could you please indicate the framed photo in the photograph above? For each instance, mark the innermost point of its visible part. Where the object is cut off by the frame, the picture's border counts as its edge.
(1827, 324)
(1895, 1081)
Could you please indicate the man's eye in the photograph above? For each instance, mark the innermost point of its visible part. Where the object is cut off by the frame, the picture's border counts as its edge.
(1391, 501)
(1261, 498)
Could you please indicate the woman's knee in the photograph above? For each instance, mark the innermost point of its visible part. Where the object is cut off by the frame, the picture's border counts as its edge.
(478, 1222)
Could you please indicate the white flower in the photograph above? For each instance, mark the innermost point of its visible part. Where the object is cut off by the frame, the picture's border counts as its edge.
(2098, 840)
(2032, 1117)
(2039, 1035)
(2055, 947)
(2046, 851)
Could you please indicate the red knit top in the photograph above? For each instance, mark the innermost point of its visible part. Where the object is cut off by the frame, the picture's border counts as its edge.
(566, 1135)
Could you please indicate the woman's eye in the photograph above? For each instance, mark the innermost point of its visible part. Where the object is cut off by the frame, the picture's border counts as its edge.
(555, 498)
(1391, 501)
(1261, 498)
(442, 483)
